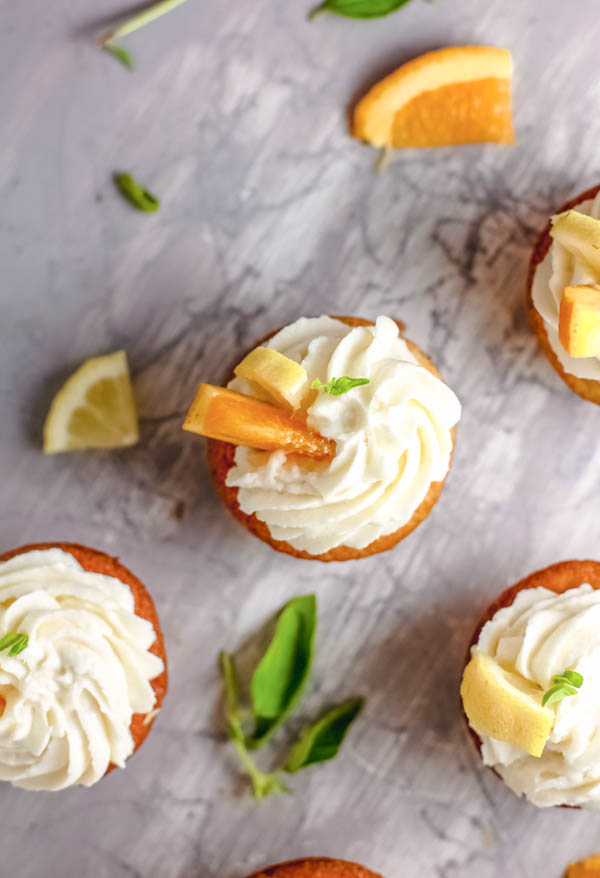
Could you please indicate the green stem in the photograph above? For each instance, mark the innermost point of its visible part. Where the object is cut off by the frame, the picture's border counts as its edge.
(317, 11)
(262, 783)
(140, 20)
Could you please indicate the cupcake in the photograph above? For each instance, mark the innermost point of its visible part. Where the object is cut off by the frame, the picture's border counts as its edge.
(316, 867)
(333, 440)
(82, 665)
(531, 690)
(564, 293)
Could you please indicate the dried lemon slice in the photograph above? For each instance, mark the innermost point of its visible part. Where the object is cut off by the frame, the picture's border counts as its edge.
(505, 705)
(451, 96)
(95, 408)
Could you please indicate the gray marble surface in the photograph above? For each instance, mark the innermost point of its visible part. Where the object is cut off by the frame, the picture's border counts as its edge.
(236, 117)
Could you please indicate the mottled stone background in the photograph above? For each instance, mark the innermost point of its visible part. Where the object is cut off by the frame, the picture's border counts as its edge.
(236, 118)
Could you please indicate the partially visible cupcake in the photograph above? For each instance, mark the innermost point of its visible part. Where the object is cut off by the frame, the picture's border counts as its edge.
(531, 690)
(339, 436)
(564, 293)
(82, 665)
(316, 867)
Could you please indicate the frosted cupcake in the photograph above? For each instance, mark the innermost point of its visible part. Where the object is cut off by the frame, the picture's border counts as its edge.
(531, 691)
(316, 867)
(564, 293)
(82, 665)
(340, 437)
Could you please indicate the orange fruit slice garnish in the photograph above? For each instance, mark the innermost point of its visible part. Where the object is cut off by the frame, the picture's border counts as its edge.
(588, 868)
(444, 98)
(233, 417)
(579, 320)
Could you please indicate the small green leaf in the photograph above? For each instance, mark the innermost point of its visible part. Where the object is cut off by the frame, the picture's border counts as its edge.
(135, 194)
(14, 642)
(262, 783)
(120, 54)
(565, 684)
(572, 678)
(337, 386)
(281, 674)
(358, 8)
(321, 741)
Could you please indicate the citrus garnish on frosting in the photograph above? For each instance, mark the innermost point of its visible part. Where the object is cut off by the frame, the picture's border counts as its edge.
(392, 436)
(70, 696)
(534, 640)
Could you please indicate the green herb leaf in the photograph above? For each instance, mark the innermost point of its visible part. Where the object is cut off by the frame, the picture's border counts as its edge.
(120, 54)
(14, 642)
(358, 8)
(262, 783)
(565, 684)
(135, 194)
(337, 386)
(321, 741)
(140, 20)
(281, 674)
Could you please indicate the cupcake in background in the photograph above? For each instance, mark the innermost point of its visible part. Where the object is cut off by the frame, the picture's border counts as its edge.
(82, 665)
(564, 293)
(333, 440)
(531, 690)
(316, 867)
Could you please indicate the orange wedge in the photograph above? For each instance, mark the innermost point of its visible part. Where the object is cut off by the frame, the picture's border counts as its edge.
(579, 320)
(444, 98)
(242, 420)
(588, 868)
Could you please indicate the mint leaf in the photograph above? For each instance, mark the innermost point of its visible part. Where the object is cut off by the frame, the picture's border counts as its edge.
(281, 674)
(565, 684)
(135, 194)
(358, 8)
(262, 783)
(14, 642)
(322, 740)
(120, 54)
(337, 386)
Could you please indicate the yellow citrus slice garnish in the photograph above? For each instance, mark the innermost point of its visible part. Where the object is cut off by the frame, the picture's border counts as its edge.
(579, 234)
(444, 98)
(95, 408)
(504, 705)
(284, 379)
(233, 417)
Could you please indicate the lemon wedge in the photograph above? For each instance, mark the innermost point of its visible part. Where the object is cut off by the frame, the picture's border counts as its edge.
(579, 320)
(284, 379)
(95, 408)
(580, 234)
(505, 705)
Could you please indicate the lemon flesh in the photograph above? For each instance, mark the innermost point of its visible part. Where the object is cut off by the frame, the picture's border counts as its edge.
(284, 379)
(504, 705)
(579, 234)
(579, 320)
(95, 408)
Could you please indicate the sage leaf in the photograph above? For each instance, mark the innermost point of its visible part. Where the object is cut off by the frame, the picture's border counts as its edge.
(358, 8)
(120, 54)
(14, 642)
(321, 741)
(135, 194)
(281, 674)
(262, 783)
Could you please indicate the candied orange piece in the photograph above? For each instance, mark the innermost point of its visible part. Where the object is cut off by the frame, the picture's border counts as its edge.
(233, 417)
(588, 868)
(579, 320)
(444, 98)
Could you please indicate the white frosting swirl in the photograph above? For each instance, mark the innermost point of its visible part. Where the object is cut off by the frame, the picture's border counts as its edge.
(559, 269)
(393, 439)
(540, 635)
(71, 693)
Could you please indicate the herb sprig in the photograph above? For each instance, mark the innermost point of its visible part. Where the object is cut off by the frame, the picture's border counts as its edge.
(358, 8)
(14, 642)
(275, 688)
(564, 684)
(107, 41)
(338, 386)
(136, 194)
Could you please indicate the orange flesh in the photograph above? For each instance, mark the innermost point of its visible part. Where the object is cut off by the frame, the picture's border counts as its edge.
(464, 112)
(223, 414)
(588, 868)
